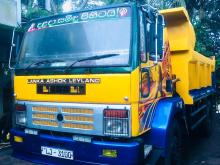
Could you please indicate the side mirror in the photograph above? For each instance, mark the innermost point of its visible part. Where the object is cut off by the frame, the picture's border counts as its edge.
(145, 82)
(160, 38)
(156, 38)
(15, 48)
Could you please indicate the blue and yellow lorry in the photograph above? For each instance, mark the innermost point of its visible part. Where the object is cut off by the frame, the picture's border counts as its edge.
(119, 84)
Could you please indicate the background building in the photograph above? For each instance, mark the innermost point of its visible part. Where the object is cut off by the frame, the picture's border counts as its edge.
(10, 17)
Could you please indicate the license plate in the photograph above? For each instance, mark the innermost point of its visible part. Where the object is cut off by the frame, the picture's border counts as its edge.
(58, 153)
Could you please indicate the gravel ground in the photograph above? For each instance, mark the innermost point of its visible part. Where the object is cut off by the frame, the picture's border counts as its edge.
(205, 151)
(201, 151)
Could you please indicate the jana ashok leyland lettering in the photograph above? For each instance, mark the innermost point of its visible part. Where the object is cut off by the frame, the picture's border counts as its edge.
(65, 81)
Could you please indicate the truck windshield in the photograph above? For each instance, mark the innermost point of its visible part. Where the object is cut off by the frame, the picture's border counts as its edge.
(88, 34)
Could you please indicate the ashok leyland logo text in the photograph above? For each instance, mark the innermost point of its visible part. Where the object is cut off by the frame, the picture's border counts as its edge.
(65, 81)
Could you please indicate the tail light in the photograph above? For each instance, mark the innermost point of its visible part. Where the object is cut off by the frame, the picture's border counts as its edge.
(116, 122)
(20, 113)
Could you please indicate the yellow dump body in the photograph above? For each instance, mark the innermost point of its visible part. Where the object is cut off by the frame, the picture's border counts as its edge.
(192, 68)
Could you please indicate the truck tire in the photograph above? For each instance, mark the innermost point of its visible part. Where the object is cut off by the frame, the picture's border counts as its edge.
(207, 124)
(175, 145)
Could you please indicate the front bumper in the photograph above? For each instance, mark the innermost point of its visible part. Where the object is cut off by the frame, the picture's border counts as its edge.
(84, 153)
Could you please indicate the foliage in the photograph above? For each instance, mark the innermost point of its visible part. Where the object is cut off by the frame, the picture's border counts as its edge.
(31, 10)
(205, 15)
(113, 1)
(36, 13)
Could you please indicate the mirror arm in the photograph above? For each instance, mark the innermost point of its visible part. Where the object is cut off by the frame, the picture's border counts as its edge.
(163, 24)
(11, 49)
(156, 38)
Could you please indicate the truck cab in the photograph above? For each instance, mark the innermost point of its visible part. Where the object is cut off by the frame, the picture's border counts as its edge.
(96, 87)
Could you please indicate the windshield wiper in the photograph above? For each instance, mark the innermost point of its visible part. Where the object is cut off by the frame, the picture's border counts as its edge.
(42, 62)
(96, 57)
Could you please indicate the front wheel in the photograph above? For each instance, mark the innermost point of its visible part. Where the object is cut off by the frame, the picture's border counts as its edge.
(175, 146)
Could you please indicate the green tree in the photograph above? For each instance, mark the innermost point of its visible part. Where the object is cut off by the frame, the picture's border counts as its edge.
(34, 9)
(205, 16)
(113, 1)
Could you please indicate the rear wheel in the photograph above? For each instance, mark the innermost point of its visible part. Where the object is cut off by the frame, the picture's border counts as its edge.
(207, 125)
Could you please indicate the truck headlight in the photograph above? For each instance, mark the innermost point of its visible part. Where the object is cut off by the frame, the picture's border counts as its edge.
(20, 114)
(116, 122)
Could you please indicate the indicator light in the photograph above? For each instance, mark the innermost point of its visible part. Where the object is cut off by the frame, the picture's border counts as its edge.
(18, 139)
(109, 153)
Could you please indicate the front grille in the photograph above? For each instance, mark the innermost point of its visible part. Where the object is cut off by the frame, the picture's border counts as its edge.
(78, 118)
(45, 123)
(73, 118)
(43, 116)
(63, 117)
(77, 110)
(44, 109)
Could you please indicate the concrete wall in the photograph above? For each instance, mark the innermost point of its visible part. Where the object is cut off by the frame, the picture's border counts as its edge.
(10, 13)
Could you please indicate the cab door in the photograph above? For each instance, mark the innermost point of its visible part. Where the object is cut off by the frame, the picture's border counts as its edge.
(150, 73)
